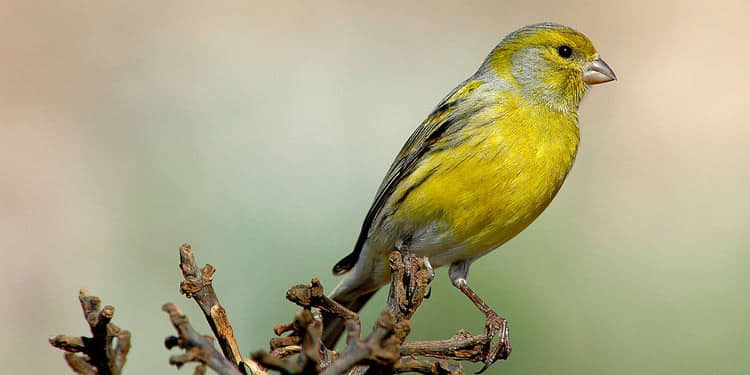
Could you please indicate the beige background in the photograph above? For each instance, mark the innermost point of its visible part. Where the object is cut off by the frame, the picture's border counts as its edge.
(259, 134)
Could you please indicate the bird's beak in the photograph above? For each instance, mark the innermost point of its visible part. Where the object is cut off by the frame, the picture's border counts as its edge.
(597, 71)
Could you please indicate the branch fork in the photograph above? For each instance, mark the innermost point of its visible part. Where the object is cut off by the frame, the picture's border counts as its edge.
(300, 352)
(106, 351)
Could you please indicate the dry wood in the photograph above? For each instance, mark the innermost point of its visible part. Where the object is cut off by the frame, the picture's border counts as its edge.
(198, 348)
(106, 351)
(198, 285)
(300, 351)
(384, 351)
(422, 366)
(461, 347)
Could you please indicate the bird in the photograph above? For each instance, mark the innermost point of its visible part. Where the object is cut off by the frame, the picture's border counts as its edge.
(478, 170)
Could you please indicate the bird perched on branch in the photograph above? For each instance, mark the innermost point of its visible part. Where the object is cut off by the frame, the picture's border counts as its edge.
(482, 166)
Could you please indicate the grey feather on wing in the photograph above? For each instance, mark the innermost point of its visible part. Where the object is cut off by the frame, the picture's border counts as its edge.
(442, 121)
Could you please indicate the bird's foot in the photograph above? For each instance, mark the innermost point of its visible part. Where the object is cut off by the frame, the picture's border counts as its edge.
(496, 326)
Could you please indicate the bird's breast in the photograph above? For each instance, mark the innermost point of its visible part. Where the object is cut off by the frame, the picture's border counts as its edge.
(480, 192)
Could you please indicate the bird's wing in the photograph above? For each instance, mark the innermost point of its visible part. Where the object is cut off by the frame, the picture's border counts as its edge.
(446, 119)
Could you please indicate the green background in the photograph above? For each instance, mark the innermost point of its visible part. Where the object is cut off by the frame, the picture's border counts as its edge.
(259, 134)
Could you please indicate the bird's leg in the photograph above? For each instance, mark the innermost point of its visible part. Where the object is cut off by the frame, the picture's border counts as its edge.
(495, 325)
(430, 270)
(430, 277)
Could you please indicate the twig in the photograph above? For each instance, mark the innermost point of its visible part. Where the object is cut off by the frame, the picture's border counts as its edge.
(304, 333)
(307, 330)
(384, 350)
(380, 347)
(312, 295)
(286, 351)
(300, 352)
(377, 353)
(410, 278)
(197, 284)
(99, 354)
(439, 367)
(461, 347)
(198, 348)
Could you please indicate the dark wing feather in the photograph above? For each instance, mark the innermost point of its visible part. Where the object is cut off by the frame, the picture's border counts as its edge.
(437, 124)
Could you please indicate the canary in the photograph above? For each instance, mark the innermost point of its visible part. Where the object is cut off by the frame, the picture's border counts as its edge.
(482, 166)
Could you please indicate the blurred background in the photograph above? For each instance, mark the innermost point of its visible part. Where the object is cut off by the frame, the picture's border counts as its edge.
(259, 133)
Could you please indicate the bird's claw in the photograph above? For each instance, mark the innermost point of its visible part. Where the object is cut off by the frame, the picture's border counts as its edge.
(496, 326)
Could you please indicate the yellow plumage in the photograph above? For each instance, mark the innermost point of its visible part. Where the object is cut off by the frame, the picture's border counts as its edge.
(488, 188)
(483, 165)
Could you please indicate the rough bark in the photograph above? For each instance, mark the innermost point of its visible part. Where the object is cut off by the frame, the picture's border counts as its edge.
(105, 351)
(299, 351)
(198, 285)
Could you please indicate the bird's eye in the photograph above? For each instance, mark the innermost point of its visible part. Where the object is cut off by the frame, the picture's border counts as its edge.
(565, 51)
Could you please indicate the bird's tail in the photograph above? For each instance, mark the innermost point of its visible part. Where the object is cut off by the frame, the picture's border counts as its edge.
(333, 326)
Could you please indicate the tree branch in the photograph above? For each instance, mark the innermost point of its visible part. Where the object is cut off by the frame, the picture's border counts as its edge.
(439, 367)
(300, 351)
(384, 350)
(304, 333)
(198, 348)
(197, 284)
(461, 347)
(105, 352)
(380, 347)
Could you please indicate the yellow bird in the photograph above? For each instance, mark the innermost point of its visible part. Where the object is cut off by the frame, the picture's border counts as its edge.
(482, 166)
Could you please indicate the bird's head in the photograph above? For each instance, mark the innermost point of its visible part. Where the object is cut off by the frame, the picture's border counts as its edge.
(550, 64)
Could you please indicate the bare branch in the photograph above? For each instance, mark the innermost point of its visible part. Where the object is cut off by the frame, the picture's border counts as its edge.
(410, 279)
(305, 331)
(79, 365)
(439, 367)
(376, 348)
(300, 352)
(312, 296)
(197, 284)
(99, 354)
(461, 347)
(198, 348)
(384, 350)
